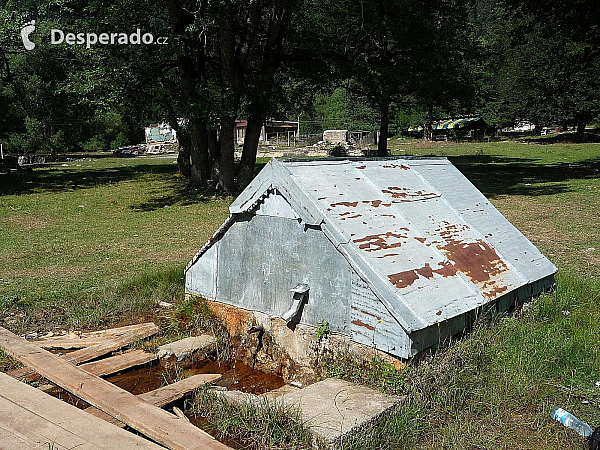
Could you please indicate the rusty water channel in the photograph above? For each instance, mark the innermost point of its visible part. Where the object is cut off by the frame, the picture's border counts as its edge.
(141, 379)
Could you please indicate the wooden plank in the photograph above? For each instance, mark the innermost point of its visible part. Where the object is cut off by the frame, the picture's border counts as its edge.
(95, 351)
(30, 419)
(110, 345)
(159, 425)
(117, 331)
(163, 395)
(114, 364)
(110, 365)
(68, 342)
(85, 339)
(172, 392)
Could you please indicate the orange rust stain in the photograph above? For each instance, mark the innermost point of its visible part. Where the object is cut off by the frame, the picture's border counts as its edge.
(477, 260)
(378, 241)
(352, 217)
(375, 203)
(420, 239)
(348, 204)
(408, 277)
(403, 279)
(361, 167)
(390, 190)
(494, 292)
(370, 314)
(345, 213)
(393, 166)
(425, 271)
(447, 270)
(388, 254)
(394, 192)
(359, 323)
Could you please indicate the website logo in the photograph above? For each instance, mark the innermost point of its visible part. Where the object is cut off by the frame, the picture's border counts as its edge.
(89, 39)
(26, 30)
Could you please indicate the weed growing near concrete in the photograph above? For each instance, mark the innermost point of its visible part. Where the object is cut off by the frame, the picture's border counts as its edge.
(265, 425)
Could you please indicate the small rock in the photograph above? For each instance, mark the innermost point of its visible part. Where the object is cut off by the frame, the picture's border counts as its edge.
(184, 349)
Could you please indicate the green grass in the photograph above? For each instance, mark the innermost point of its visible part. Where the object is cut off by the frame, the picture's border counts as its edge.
(97, 241)
(267, 425)
(62, 265)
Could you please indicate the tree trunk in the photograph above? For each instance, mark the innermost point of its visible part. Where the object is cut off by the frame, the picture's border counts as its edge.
(214, 154)
(228, 97)
(428, 129)
(183, 157)
(198, 153)
(581, 123)
(246, 169)
(384, 109)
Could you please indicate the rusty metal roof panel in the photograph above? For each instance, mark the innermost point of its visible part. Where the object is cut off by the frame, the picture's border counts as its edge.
(428, 243)
(480, 214)
(404, 227)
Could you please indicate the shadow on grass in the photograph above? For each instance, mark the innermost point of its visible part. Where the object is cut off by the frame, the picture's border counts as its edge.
(564, 138)
(494, 175)
(60, 179)
(181, 194)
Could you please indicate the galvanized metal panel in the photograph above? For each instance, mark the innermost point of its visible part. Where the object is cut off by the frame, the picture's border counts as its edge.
(201, 278)
(410, 235)
(424, 246)
(480, 214)
(275, 205)
(261, 258)
(369, 216)
(254, 191)
(295, 194)
(372, 324)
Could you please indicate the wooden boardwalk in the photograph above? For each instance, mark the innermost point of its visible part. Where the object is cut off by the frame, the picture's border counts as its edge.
(172, 431)
(31, 420)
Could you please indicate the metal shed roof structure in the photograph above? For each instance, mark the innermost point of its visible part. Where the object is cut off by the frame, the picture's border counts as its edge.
(453, 124)
(427, 243)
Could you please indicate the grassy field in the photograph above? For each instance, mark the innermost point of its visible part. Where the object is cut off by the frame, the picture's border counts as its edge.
(91, 242)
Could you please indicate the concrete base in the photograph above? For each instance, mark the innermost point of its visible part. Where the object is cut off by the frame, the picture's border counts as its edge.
(185, 350)
(334, 408)
(291, 352)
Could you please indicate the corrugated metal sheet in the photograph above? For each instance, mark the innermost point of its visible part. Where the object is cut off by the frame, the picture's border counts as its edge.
(426, 240)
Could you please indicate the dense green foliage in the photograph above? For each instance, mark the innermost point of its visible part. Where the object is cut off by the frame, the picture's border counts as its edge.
(368, 65)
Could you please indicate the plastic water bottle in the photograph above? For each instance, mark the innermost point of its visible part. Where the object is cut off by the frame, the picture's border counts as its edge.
(572, 422)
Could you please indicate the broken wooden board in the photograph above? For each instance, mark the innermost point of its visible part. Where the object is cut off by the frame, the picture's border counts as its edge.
(30, 419)
(67, 342)
(164, 395)
(95, 351)
(159, 425)
(117, 331)
(85, 339)
(117, 363)
(110, 345)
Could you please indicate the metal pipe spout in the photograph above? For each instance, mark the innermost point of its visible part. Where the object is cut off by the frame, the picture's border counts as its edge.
(255, 329)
